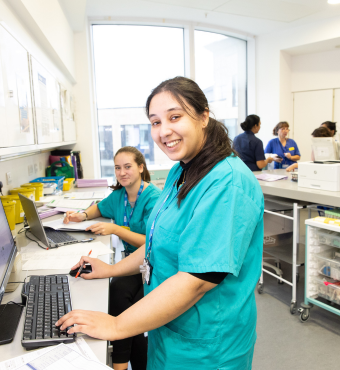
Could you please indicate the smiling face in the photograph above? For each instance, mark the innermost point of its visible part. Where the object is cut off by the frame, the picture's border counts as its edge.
(127, 170)
(178, 135)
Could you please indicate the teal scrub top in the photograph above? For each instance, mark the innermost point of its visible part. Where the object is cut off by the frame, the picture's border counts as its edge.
(113, 207)
(218, 227)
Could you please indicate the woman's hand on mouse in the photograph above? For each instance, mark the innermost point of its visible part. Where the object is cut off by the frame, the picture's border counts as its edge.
(100, 269)
(95, 324)
(102, 228)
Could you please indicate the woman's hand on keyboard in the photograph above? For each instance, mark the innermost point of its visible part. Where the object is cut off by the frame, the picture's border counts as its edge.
(100, 269)
(95, 324)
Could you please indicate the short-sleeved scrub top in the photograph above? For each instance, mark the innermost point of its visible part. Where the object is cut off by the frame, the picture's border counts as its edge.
(275, 147)
(250, 149)
(218, 227)
(113, 207)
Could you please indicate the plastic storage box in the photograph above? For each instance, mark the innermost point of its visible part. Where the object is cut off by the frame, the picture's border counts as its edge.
(331, 292)
(329, 263)
(59, 180)
(68, 184)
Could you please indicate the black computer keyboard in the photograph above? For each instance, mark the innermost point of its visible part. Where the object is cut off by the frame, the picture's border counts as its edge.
(48, 299)
(58, 236)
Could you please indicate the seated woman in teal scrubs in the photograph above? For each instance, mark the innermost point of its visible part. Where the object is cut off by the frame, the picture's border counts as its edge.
(134, 198)
(203, 251)
(286, 149)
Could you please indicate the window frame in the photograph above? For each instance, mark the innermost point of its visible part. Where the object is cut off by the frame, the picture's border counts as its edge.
(189, 29)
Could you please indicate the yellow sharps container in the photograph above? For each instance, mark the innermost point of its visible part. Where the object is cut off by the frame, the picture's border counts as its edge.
(27, 192)
(39, 188)
(19, 212)
(9, 207)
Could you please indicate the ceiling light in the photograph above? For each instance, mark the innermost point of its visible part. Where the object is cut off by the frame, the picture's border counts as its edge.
(333, 1)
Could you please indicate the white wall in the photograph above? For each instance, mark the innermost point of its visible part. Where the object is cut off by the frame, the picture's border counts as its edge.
(278, 72)
(19, 167)
(87, 135)
(316, 71)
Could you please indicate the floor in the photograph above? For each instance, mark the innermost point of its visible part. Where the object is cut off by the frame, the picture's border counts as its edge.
(283, 341)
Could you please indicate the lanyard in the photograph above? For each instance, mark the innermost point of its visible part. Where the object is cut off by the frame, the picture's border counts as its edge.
(154, 221)
(284, 159)
(127, 220)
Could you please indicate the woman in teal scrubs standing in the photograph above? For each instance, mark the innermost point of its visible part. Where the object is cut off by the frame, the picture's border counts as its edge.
(203, 251)
(129, 205)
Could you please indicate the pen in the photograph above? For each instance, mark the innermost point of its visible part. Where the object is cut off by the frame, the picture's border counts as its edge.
(81, 267)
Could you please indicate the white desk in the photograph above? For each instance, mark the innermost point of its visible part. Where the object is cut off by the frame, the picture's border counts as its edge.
(289, 189)
(86, 294)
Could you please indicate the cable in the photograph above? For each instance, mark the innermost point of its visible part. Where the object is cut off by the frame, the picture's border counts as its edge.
(18, 304)
(16, 282)
(22, 230)
(35, 241)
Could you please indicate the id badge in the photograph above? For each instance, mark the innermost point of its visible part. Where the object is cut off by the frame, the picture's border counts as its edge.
(146, 271)
(125, 254)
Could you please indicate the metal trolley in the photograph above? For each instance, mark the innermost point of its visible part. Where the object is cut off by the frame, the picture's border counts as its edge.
(284, 247)
(322, 268)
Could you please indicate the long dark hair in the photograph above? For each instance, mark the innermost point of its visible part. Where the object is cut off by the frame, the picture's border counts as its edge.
(217, 144)
(251, 121)
(138, 158)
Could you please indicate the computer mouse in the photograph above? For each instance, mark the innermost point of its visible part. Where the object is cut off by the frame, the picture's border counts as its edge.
(86, 270)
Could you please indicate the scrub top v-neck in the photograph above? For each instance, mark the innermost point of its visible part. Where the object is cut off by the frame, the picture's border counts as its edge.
(218, 227)
(113, 207)
(275, 147)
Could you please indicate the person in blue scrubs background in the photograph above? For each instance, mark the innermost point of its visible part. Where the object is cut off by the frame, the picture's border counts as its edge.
(286, 149)
(249, 147)
(133, 197)
(204, 243)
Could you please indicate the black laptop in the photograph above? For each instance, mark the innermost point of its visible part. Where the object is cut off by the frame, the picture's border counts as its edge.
(50, 237)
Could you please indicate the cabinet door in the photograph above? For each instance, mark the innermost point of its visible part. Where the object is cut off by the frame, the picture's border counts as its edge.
(16, 120)
(311, 108)
(46, 104)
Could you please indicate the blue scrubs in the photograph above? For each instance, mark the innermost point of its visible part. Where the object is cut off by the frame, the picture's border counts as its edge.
(275, 147)
(218, 227)
(250, 149)
(113, 207)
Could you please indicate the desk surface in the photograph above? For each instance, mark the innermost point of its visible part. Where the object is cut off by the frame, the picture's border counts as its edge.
(86, 294)
(289, 189)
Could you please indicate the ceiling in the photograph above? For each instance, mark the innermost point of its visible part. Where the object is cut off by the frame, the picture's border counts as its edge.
(252, 17)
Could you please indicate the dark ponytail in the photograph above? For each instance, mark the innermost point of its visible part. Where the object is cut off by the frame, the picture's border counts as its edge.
(250, 122)
(138, 158)
(217, 144)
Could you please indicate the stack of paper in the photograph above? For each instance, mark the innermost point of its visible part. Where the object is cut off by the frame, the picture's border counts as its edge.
(72, 203)
(86, 195)
(269, 177)
(62, 258)
(64, 356)
(91, 183)
(71, 226)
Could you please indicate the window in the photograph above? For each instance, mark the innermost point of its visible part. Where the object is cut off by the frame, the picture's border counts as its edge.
(220, 70)
(129, 61)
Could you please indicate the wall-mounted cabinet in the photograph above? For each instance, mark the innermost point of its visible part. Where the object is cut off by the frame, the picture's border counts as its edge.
(30, 103)
(16, 120)
(46, 105)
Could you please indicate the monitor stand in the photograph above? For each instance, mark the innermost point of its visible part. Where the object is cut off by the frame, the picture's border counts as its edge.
(9, 321)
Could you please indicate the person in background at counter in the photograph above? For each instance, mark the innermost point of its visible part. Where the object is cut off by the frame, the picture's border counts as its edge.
(318, 132)
(331, 126)
(249, 147)
(283, 147)
(129, 205)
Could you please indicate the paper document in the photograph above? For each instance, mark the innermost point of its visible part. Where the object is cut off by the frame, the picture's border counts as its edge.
(71, 226)
(86, 195)
(71, 203)
(80, 346)
(269, 177)
(61, 258)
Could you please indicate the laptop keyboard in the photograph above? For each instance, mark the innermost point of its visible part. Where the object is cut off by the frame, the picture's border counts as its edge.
(57, 236)
(48, 300)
